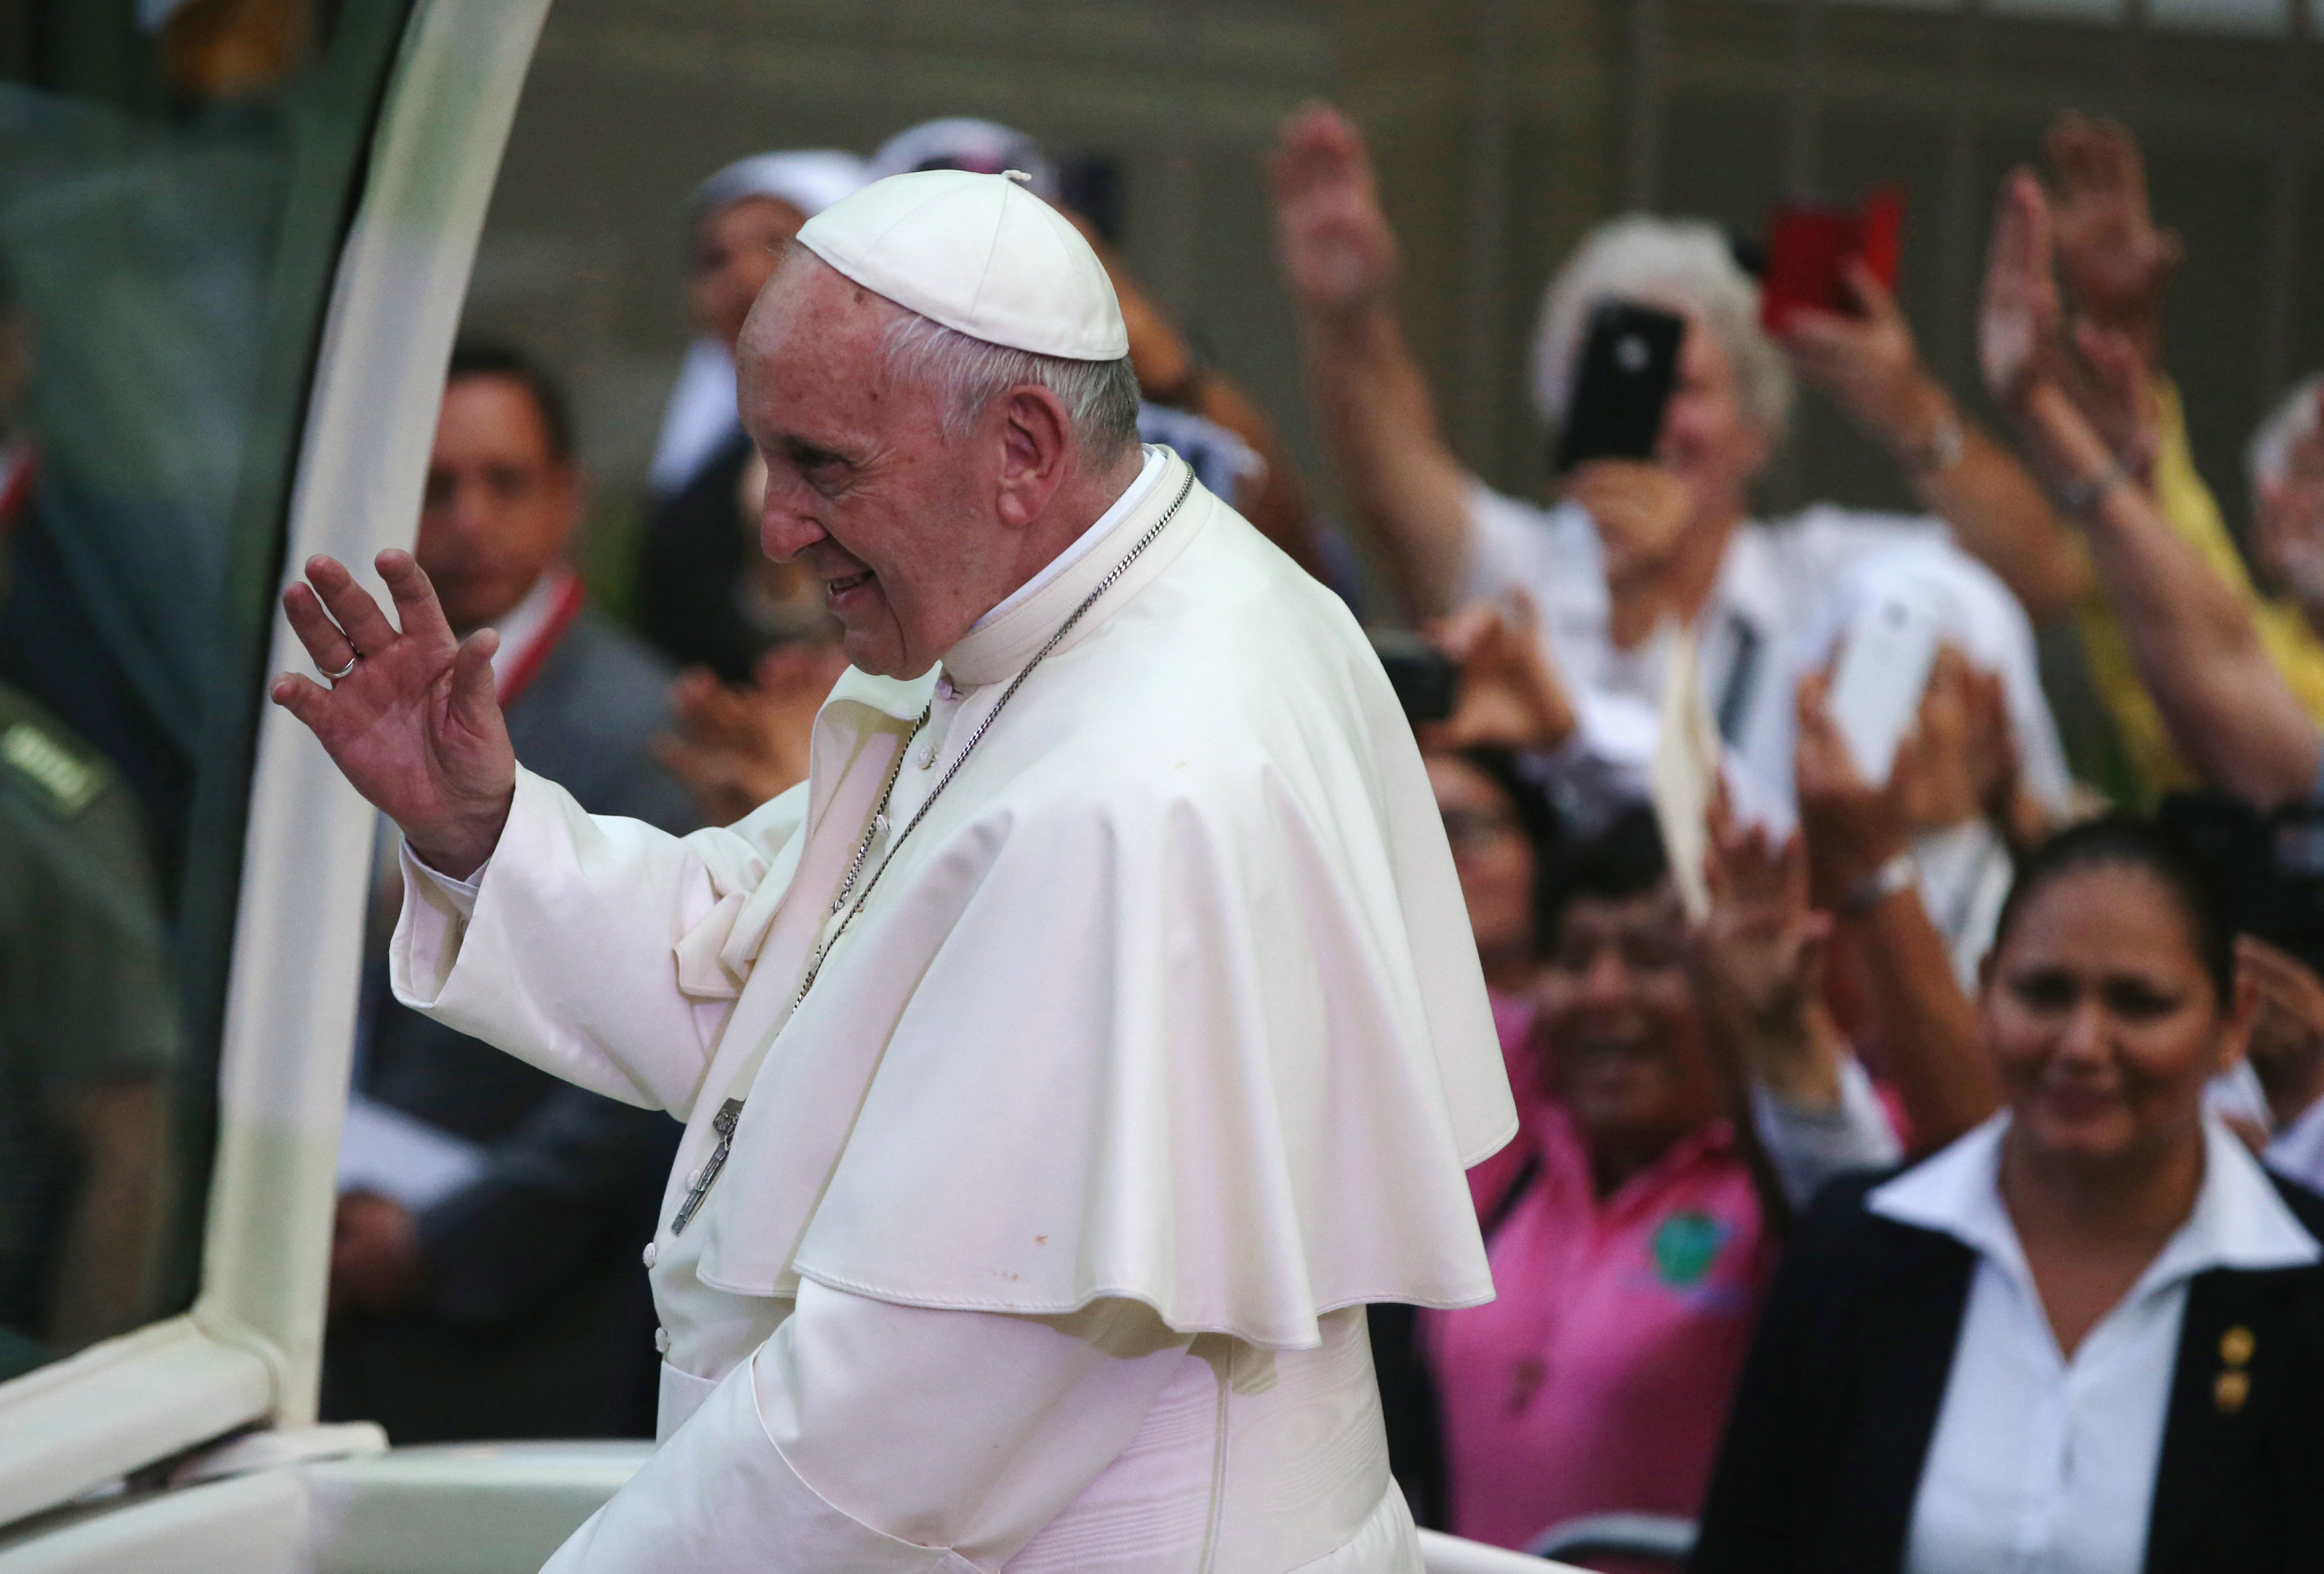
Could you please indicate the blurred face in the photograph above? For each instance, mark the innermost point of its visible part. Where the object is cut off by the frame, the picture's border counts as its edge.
(2288, 535)
(861, 487)
(1709, 439)
(500, 506)
(2102, 1021)
(735, 251)
(1621, 1025)
(1491, 856)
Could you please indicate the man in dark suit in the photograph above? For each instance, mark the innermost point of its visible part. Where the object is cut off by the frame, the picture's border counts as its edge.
(485, 1275)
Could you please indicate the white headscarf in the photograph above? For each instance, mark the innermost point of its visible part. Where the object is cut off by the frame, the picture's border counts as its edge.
(700, 416)
(960, 142)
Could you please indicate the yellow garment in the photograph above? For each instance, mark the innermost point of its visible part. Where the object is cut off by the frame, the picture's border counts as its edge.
(2292, 644)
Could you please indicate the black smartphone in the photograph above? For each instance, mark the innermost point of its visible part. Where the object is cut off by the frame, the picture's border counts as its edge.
(1428, 681)
(1621, 385)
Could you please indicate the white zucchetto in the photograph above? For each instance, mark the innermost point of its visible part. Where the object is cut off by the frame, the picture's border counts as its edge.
(979, 254)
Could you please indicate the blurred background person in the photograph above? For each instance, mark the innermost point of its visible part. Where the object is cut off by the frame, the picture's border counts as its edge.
(705, 595)
(2270, 868)
(2217, 667)
(1634, 547)
(2287, 482)
(2095, 229)
(88, 1010)
(1630, 1259)
(88, 1041)
(490, 1214)
(2081, 1335)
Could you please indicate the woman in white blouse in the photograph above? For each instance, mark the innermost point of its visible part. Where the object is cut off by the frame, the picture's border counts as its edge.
(2087, 1338)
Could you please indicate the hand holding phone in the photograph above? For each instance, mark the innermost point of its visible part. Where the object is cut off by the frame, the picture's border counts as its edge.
(1882, 670)
(1807, 244)
(1878, 682)
(1622, 385)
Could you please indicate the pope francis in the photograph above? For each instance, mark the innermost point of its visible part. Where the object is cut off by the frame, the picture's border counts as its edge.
(1068, 1062)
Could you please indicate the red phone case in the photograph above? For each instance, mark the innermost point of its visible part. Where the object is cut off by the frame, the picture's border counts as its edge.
(1807, 243)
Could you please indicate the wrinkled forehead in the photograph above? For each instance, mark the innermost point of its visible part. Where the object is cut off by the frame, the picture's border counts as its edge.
(813, 335)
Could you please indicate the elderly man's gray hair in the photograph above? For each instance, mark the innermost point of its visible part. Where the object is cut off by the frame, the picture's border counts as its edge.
(1099, 397)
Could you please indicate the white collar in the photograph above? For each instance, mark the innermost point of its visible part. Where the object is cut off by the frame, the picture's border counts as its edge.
(2239, 1221)
(1132, 497)
(2297, 1149)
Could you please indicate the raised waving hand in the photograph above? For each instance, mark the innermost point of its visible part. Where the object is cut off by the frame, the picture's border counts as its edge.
(410, 716)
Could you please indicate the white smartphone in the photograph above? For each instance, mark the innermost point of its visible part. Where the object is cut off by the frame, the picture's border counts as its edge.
(1876, 689)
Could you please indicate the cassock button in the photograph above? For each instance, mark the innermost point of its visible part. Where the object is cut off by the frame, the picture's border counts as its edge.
(652, 1253)
(661, 1341)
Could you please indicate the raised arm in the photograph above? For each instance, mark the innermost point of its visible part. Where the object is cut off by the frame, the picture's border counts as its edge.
(1402, 484)
(1856, 834)
(1869, 364)
(2228, 709)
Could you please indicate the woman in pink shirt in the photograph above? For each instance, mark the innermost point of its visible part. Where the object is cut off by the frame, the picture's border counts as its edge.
(1504, 839)
(1632, 1254)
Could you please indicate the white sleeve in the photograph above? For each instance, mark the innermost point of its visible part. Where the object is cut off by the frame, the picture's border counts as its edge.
(458, 897)
(1503, 547)
(561, 952)
(873, 1437)
(1809, 1144)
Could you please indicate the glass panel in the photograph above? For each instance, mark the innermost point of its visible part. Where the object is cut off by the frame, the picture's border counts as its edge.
(175, 180)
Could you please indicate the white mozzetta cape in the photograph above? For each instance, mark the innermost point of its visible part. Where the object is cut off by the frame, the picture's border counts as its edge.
(1171, 996)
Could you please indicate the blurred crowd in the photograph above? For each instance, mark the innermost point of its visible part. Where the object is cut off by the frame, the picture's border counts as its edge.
(1913, 1144)
(1778, 874)
(1892, 1104)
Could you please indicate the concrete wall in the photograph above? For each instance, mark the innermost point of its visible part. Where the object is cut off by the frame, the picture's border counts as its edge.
(1502, 128)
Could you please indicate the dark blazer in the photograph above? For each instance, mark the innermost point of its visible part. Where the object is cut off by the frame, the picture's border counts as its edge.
(536, 1322)
(1839, 1399)
(693, 556)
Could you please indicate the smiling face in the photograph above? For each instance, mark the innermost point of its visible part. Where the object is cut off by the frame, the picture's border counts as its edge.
(1619, 1021)
(735, 251)
(1493, 858)
(913, 535)
(499, 504)
(1709, 439)
(2102, 1020)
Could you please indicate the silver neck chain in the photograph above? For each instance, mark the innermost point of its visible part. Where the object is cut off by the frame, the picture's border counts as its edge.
(880, 812)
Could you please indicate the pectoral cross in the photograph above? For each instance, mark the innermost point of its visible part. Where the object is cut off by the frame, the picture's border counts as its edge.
(723, 1122)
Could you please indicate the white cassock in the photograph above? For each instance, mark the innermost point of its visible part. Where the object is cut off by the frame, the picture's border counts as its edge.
(1052, 1211)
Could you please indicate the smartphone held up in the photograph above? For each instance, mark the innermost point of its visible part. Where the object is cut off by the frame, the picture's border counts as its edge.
(1808, 244)
(1622, 385)
(1884, 662)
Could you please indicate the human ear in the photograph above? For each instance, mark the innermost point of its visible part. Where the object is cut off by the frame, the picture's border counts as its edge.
(1034, 436)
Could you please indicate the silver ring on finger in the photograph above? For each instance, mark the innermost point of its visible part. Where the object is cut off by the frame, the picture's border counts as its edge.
(354, 655)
